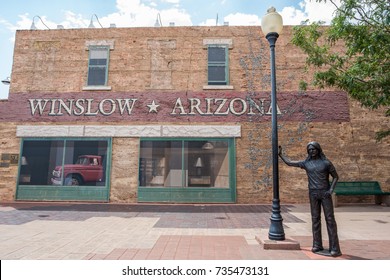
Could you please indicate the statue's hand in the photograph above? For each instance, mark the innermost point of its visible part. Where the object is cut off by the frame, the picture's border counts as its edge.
(328, 193)
(280, 151)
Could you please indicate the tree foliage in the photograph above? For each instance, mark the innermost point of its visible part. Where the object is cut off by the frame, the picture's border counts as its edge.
(363, 67)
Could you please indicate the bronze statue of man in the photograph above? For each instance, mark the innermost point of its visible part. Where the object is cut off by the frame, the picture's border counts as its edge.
(318, 168)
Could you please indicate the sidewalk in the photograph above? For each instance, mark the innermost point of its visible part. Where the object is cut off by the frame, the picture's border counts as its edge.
(144, 231)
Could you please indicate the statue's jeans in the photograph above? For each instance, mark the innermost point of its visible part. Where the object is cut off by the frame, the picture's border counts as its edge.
(323, 198)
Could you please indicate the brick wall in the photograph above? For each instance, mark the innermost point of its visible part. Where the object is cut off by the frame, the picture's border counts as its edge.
(124, 172)
(8, 144)
(57, 60)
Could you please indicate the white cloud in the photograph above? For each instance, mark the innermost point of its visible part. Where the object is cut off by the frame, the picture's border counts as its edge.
(5, 23)
(135, 14)
(172, 1)
(236, 19)
(323, 12)
(242, 19)
(310, 10)
(130, 13)
(292, 16)
(26, 21)
(73, 20)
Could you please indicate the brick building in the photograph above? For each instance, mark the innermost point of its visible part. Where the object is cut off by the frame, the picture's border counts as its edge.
(170, 114)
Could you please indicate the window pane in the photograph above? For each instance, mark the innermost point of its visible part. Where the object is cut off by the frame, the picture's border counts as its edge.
(97, 76)
(98, 62)
(85, 163)
(161, 164)
(217, 65)
(93, 62)
(98, 53)
(216, 74)
(39, 158)
(208, 164)
(216, 54)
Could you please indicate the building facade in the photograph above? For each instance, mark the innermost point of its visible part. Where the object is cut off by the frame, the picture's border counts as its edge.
(170, 114)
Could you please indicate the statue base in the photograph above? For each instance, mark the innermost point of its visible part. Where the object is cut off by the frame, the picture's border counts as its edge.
(287, 244)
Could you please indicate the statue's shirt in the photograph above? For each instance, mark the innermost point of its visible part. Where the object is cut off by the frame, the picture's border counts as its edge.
(318, 171)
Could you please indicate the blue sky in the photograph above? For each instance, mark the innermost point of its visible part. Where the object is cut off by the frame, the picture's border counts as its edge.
(19, 14)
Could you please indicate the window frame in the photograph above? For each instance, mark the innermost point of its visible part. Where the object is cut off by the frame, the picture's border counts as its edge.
(224, 64)
(34, 192)
(90, 50)
(191, 193)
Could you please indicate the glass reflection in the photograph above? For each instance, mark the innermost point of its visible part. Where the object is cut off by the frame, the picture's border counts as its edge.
(63, 162)
(184, 164)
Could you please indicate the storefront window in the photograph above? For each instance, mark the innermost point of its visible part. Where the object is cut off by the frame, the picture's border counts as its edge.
(63, 162)
(184, 163)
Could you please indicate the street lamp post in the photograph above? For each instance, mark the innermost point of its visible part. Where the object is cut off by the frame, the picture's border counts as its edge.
(272, 25)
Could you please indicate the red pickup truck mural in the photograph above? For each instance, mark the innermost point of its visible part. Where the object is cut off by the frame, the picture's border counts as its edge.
(87, 169)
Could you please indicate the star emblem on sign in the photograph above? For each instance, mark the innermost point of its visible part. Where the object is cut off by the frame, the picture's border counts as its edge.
(153, 107)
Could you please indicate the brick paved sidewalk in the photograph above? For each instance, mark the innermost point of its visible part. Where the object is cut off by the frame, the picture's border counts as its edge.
(144, 231)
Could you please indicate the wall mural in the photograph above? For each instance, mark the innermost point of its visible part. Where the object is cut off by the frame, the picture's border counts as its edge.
(259, 77)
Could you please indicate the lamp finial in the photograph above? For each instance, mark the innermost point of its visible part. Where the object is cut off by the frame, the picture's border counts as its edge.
(271, 10)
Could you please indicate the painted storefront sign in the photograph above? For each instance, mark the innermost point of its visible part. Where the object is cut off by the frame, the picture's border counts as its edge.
(172, 107)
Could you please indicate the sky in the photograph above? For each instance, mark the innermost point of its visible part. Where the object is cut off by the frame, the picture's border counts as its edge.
(19, 14)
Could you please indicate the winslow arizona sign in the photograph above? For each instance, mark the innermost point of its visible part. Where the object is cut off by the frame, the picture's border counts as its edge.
(171, 107)
(108, 106)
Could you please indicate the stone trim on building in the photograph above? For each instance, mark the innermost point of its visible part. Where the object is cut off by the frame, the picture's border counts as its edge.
(109, 43)
(167, 131)
(218, 41)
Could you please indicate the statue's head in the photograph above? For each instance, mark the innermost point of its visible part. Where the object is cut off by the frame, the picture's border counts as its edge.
(315, 145)
(314, 150)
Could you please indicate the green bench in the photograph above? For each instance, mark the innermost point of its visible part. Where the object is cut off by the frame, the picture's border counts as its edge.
(362, 188)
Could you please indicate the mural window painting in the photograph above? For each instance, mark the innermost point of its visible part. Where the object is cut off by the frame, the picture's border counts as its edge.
(184, 164)
(217, 57)
(98, 65)
(63, 163)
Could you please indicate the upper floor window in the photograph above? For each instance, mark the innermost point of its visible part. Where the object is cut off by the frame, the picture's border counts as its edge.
(218, 63)
(98, 59)
(218, 70)
(98, 65)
